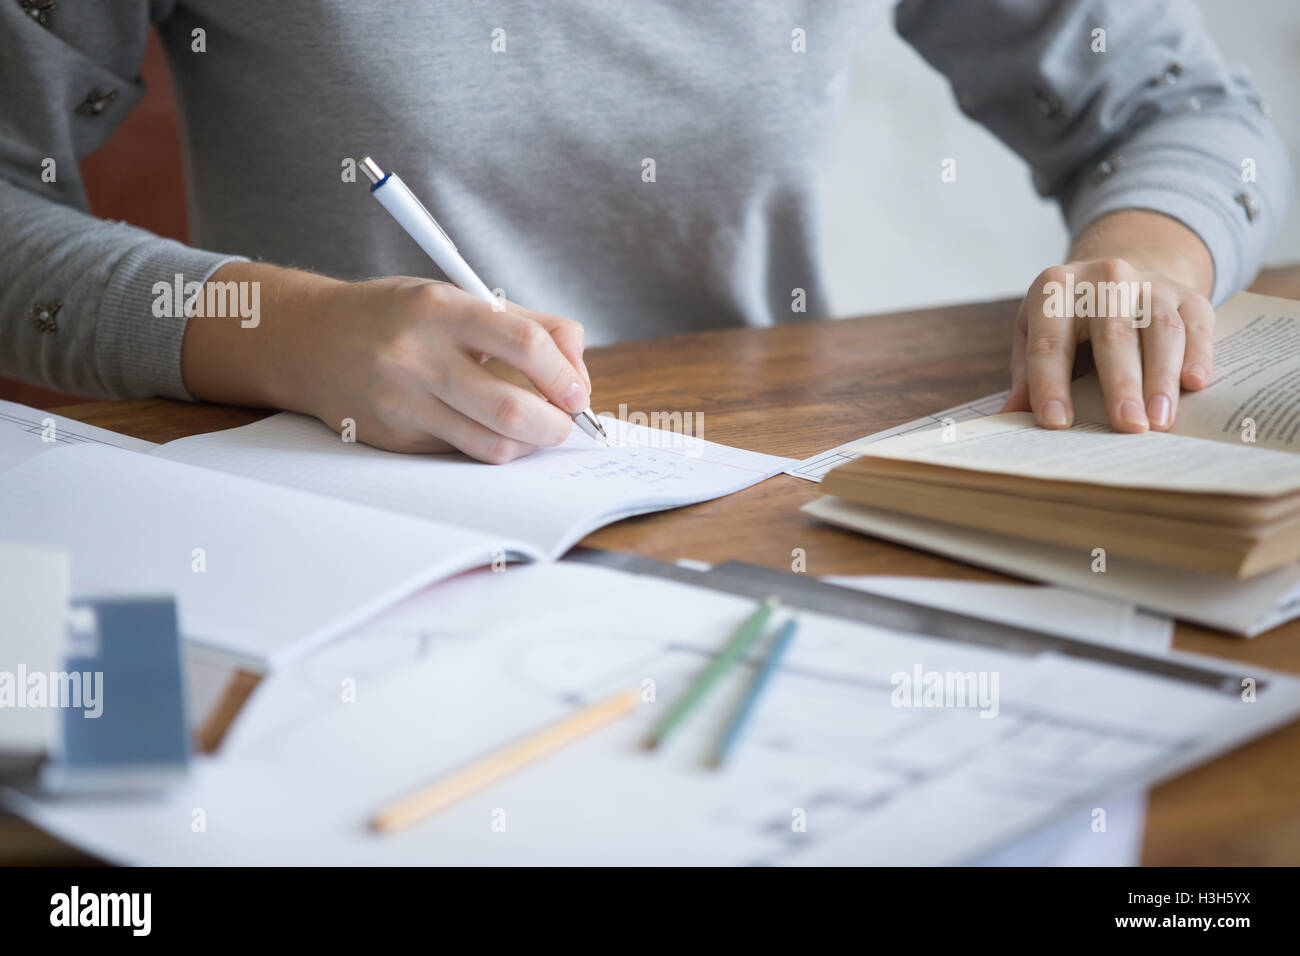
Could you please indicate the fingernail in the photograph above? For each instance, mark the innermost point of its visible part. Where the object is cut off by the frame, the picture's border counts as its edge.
(1054, 414)
(1197, 373)
(574, 398)
(1158, 410)
(1130, 413)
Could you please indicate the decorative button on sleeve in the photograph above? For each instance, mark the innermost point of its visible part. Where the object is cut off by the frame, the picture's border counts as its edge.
(96, 102)
(1247, 202)
(1106, 168)
(42, 316)
(1171, 74)
(38, 10)
(1050, 104)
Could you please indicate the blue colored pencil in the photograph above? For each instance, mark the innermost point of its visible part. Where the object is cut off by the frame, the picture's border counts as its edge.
(741, 717)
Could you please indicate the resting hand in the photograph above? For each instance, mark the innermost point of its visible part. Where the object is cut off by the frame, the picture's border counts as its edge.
(1161, 339)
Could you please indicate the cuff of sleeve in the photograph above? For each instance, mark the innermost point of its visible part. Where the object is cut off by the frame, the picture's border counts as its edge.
(140, 329)
(1218, 167)
(1203, 186)
(1209, 224)
(1204, 205)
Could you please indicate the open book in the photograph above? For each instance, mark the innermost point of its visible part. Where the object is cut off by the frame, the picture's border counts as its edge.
(1220, 493)
(278, 535)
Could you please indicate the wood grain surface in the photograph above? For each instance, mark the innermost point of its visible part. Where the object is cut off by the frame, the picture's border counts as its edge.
(800, 389)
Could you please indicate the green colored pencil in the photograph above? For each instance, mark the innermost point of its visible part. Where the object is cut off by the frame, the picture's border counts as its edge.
(735, 648)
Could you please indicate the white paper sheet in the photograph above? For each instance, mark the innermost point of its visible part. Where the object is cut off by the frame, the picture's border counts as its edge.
(264, 570)
(1043, 607)
(1240, 606)
(1081, 838)
(550, 499)
(1053, 609)
(1109, 834)
(255, 569)
(33, 619)
(816, 467)
(26, 432)
(830, 771)
(1056, 610)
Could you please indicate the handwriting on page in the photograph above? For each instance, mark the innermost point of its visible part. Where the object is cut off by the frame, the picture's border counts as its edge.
(631, 465)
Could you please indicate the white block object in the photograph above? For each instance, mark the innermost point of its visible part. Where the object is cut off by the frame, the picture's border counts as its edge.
(34, 585)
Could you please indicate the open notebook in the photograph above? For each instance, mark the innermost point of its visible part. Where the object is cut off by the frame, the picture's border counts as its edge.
(278, 535)
(544, 503)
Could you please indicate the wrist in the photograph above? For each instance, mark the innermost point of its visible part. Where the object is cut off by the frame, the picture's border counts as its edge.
(1150, 242)
(260, 353)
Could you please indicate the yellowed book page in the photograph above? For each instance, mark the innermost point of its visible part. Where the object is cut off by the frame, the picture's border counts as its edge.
(1013, 444)
(1253, 397)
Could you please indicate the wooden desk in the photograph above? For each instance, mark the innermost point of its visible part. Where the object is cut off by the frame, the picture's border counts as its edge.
(800, 389)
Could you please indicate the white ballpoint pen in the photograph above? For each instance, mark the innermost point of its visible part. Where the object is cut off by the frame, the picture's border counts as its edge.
(395, 196)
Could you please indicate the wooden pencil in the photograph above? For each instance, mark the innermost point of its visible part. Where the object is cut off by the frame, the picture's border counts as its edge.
(442, 793)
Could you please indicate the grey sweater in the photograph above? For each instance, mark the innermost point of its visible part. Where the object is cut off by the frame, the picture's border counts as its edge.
(645, 168)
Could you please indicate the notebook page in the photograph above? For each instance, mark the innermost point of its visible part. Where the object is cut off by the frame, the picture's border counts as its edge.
(550, 499)
(1256, 376)
(1012, 444)
(257, 570)
(26, 432)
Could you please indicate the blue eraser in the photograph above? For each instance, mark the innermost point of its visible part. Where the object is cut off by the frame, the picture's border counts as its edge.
(123, 726)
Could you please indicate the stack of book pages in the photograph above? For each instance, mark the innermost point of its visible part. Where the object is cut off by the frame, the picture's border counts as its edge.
(1201, 522)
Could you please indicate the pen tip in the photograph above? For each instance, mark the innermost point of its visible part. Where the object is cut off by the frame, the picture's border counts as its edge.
(591, 425)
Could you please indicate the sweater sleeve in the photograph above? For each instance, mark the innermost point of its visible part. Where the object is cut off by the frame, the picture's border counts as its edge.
(77, 293)
(1118, 105)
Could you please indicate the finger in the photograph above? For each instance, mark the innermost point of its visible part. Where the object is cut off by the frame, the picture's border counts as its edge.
(527, 345)
(1116, 352)
(1018, 399)
(1049, 354)
(501, 406)
(470, 437)
(1198, 355)
(570, 338)
(1162, 349)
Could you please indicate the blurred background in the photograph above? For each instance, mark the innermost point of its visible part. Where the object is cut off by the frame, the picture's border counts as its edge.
(901, 121)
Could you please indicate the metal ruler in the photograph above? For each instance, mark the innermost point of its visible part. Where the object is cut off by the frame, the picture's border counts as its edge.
(810, 594)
